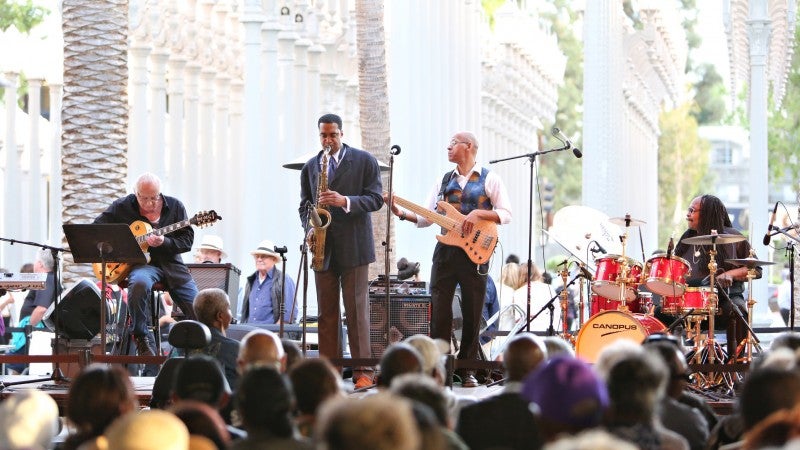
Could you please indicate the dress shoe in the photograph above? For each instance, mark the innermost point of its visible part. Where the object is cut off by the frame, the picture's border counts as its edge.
(143, 347)
(469, 381)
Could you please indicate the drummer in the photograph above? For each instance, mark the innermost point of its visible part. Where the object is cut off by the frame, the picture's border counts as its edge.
(707, 213)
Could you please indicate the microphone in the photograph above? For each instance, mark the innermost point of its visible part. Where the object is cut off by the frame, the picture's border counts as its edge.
(313, 216)
(395, 150)
(577, 152)
(560, 136)
(281, 250)
(598, 248)
(584, 271)
(771, 221)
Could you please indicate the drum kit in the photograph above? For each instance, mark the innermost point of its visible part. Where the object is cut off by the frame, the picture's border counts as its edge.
(621, 302)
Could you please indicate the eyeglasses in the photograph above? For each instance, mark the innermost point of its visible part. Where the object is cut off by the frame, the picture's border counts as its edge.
(454, 142)
(154, 199)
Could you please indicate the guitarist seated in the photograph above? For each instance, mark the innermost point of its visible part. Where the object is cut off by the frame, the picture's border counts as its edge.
(149, 208)
(473, 200)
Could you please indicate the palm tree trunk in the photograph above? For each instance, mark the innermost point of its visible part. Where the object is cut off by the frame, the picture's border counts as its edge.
(95, 112)
(373, 101)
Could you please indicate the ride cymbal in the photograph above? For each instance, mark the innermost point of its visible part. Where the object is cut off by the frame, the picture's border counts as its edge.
(749, 262)
(626, 221)
(709, 239)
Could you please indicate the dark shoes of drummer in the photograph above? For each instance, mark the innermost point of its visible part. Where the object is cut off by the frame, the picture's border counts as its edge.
(143, 347)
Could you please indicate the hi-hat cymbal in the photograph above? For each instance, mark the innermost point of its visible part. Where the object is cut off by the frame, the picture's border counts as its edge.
(626, 221)
(749, 262)
(709, 239)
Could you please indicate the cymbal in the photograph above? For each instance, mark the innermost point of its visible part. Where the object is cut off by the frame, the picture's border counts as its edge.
(626, 221)
(749, 262)
(707, 239)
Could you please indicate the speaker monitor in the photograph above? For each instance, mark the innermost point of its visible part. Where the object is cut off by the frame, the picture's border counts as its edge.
(221, 276)
(404, 317)
(78, 312)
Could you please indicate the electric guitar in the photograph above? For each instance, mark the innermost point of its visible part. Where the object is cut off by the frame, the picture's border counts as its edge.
(478, 244)
(116, 272)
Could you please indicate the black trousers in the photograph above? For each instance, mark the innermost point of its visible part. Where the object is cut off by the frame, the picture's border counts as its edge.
(452, 267)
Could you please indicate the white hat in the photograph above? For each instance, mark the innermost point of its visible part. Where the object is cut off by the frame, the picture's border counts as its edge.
(28, 419)
(265, 247)
(212, 242)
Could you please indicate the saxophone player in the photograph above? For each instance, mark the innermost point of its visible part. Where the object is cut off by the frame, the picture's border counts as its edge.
(354, 191)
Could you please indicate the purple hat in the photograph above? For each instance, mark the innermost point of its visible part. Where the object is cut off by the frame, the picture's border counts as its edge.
(567, 391)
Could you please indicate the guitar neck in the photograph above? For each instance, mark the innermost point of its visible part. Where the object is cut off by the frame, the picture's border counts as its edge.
(165, 230)
(433, 216)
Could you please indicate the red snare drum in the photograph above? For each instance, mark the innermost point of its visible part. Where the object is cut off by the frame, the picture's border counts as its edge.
(697, 298)
(600, 304)
(609, 326)
(666, 276)
(605, 277)
(671, 305)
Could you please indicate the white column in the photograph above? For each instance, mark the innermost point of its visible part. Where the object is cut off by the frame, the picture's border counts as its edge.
(235, 198)
(221, 144)
(175, 91)
(13, 255)
(206, 153)
(157, 139)
(137, 125)
(759, 30)
(37, 202)
(56, 94)
(191, 131)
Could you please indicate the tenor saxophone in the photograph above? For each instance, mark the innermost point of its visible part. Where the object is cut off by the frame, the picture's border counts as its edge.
(318, 233)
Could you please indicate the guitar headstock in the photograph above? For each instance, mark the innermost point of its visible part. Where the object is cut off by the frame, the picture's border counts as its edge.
(205, 218)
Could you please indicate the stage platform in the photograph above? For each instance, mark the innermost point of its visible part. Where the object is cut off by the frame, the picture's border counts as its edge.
(10, 384)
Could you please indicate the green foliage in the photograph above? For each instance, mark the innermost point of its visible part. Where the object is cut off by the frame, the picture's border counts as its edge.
(24, 15)
(488, 7)
(682, 165)
(709, 95)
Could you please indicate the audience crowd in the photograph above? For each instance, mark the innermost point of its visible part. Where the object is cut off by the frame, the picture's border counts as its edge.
(257, 395)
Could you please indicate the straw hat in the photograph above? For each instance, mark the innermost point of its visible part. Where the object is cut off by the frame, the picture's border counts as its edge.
(212, 242)
(265, 247)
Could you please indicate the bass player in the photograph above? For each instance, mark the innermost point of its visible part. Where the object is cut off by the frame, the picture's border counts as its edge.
(149, 205)
(480, 196)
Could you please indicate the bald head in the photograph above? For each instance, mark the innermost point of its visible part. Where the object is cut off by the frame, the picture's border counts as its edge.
(398, 359)
(261, 347)
(523, 354)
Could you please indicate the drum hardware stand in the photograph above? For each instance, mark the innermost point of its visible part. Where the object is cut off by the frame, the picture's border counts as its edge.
(549, 305)
(565, 334)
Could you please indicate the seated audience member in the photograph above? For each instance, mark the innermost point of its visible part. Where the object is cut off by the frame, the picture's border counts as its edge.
(568, 396)
(505, 420)
(203, 420)
(261, 348)
(399, 358)
(211, 306)
(426, 391)
(200, 378)
(263, 289)
(97, 396)
(675, 415)
(776, 431)
(153, 429)
(265, 403)
(314, 381)
(28, 420)
(635, 389)
(595, 439)
(293, 353)
(376, 422)
(210, 250)
(557, 346)
(431, 434)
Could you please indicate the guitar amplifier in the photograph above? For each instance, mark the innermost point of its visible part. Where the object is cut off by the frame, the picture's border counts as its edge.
(405, 316)
(222, 276)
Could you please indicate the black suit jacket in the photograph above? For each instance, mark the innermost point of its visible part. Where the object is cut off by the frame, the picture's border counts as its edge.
(500, 422)
(349, 241)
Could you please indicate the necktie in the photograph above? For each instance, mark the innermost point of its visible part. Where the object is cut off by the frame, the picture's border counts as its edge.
(331, 167)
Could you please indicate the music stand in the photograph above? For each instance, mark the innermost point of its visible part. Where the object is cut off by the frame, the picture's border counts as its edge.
(103, 243)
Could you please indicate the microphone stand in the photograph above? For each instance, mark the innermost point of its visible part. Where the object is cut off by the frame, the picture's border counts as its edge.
(549, 305)
(532, 158)
(302, 270)
(282, 252)
(387, 253)
(790, 248)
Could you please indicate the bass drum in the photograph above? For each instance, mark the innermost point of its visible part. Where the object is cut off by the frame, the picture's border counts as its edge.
(609, 326)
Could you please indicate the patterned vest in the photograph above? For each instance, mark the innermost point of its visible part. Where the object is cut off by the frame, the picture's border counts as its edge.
(472, 197)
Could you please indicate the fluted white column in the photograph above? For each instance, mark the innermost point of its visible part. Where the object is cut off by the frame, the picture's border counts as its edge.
(138, 125)
(221, 133)
(206, 154)
(191, 131)
(56, 93)
(13, 202)
(157, 136)
(175, 91)
(37, 202)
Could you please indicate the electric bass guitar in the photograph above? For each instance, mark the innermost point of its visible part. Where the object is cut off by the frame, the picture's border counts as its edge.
(478, 244)
(116, 272)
